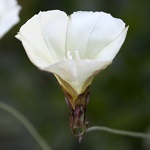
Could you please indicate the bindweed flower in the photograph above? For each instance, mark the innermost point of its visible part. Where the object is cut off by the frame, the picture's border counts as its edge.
(74, 48)
(9, 10)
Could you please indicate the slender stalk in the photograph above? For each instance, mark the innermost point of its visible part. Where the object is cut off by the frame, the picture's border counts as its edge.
(120, 132)
(27, 124)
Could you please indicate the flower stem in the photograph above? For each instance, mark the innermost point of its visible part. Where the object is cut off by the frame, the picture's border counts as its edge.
(27, 124)
(120, 132)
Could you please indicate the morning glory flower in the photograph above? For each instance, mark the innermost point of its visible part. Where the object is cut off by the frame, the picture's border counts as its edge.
(74, 48)
(9, 10)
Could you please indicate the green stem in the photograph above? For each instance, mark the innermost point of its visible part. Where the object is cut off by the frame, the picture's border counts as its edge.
(27, 124)
(120, 132)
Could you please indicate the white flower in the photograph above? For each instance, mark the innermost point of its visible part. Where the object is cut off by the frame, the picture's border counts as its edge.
(74, 48)
(9, 10)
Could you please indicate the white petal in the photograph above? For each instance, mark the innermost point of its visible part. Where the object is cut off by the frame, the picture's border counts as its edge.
(8, 3)
(75, 73)
(80, 27)
(109, 52)
(90, 32)
(9, 11)
(54, 31)
(44, 36)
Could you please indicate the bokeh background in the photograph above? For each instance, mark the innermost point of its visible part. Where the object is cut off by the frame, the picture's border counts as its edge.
(120, 95)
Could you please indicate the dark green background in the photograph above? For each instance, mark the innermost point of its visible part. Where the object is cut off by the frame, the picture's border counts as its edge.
(120, 95)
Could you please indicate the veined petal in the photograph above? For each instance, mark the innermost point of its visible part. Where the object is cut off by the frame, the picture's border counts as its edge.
(9, 11)
(89, 32)
(54, 31)
(80, 27)
(109, 51)
(44, 36)
(77, 72)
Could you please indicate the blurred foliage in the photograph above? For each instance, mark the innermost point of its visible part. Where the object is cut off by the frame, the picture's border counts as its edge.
(120, 95)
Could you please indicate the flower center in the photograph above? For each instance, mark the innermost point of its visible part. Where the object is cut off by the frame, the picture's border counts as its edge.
(76, 55)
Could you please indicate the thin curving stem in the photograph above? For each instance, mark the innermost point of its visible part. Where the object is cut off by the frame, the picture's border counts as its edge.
(27, 124)
(120, 132)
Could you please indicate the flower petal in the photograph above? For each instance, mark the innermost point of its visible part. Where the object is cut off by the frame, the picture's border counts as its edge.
(9, 11)
(109, 52)
(90, 32)
(77, 72)
(43, 37)
(80, 27)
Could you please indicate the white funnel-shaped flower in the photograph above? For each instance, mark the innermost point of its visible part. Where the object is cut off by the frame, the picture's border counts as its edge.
(75, 47)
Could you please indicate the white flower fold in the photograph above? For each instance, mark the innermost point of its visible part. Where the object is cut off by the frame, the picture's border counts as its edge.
(74, 48)
(9, 10)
